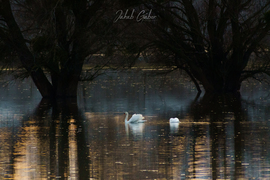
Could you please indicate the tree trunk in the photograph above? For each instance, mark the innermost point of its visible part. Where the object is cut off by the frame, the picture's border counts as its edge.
(67, 85)
(213, 82)
(42, 83)
(69, 77)
(16, 40)
(230, 84)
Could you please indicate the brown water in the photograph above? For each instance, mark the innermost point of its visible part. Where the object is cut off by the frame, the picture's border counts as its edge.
(219, 137)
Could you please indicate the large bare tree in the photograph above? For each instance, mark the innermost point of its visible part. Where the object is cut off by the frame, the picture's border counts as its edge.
(55, 37)
(219, 43)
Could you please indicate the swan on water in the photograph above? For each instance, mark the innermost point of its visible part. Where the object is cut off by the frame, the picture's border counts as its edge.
(174, 125)
(135, 118)
(174, 120)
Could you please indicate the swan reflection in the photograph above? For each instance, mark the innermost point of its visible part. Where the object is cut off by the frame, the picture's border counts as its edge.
(174, 127)
(135, 129)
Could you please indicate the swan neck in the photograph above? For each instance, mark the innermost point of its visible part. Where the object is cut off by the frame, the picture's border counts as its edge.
(126, 119)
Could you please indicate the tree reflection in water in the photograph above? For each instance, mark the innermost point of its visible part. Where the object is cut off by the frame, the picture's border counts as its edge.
(49, 145)
(231, 138)
(219, 137)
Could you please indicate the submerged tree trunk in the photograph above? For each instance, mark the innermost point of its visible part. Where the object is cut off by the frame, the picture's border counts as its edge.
(42, 84)
(214, 80)
(230, 84)
(67, 83)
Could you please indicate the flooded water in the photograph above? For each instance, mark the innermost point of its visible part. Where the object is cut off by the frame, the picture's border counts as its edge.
(219, 137)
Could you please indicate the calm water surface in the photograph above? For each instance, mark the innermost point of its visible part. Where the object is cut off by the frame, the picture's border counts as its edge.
(219, 137)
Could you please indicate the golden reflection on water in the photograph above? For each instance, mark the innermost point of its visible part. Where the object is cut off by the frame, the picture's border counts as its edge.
(5, 152)
(150, 150)
(29, 157)
(30, 154)
(73, 168)
(197, 151)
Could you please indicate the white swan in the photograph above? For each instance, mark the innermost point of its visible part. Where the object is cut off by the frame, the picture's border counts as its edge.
(135, 118)
(174, 120)
(174, 125)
